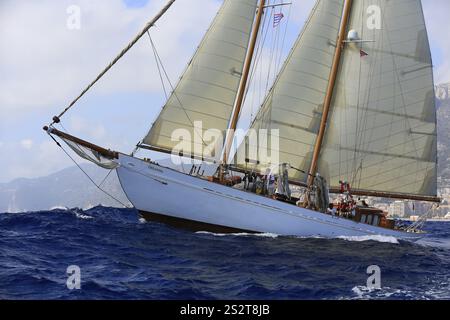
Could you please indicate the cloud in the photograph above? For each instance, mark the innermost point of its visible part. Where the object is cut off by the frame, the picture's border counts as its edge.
(40, 160)
(83, 127)
(43, 63)
(436, 16)
(27, 144)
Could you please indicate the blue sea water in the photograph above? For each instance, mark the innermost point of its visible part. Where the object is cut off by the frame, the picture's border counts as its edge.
(121, 257)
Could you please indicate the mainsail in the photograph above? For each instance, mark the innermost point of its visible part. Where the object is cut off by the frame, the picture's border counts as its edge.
(294, 105)
(207, 91)
(381, 133)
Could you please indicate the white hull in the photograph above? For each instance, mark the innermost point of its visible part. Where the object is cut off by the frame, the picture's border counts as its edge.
(166, 192)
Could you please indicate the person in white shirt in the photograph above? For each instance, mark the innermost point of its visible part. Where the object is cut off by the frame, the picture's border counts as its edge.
(332, 210)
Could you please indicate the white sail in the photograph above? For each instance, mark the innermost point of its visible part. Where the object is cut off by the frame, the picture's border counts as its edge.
(381, 133)
(294, 105)
(207, 91)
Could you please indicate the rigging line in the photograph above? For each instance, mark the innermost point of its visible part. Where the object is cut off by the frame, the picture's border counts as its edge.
(66, 131)
(378, 60)
(272, 49)
(256, 67)
(364, 135)
(87, 175)
(258, 55)
(276, 52)
(261, 60)
(283, 43)
(79, 148)
(402, 93)
(355, 168)
(158, 66)
(367, 135)
(107, 176)
(259, 71)
(120, 56)
(261, 55)
(279, 49)
(176, 96)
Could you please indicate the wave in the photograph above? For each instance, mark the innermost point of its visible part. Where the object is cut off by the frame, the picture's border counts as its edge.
(144, 256)
(85, 208)
(377, 238)
(80, 214)
(142, 221)
(261, 235)
(436, 291)
(59, 208)
(363, 292)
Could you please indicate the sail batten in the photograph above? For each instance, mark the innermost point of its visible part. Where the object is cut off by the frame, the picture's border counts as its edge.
(206, 92)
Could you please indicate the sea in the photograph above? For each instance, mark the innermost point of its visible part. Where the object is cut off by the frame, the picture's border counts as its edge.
(105, 253)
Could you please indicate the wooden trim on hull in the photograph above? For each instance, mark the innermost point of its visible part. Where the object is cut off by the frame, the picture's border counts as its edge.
(190, 225)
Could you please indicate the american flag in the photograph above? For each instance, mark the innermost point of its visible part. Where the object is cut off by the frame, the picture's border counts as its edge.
(277, 19)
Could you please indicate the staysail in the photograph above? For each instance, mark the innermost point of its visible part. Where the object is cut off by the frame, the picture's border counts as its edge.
(294, 105)
(207, 91)
(381, 133)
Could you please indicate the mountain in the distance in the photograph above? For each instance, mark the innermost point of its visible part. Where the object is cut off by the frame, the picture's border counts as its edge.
(67, 188)
(443, 116)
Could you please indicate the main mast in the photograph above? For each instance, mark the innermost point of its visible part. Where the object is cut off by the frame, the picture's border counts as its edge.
(243, 84)
(329, 94)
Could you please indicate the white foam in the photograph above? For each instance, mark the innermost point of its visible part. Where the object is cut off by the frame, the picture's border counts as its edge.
(59, 208)
(80, 214)
(378, 238)
(89, 206)
(77, 212)
(142, 220)
(83, 216)
(262, 235)
(363, 292)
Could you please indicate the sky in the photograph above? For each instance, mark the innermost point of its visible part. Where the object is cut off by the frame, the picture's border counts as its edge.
(46, 60)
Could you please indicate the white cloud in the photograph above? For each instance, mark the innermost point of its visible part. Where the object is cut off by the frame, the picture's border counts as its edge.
(27, 144)
(44, 64)
(83, 127)
(436, 16)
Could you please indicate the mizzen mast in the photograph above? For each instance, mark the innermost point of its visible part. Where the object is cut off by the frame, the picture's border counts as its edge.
(243, 84)
(331, 85)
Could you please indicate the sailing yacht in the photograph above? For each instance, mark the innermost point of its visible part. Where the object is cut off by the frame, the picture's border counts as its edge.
(352, 104)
